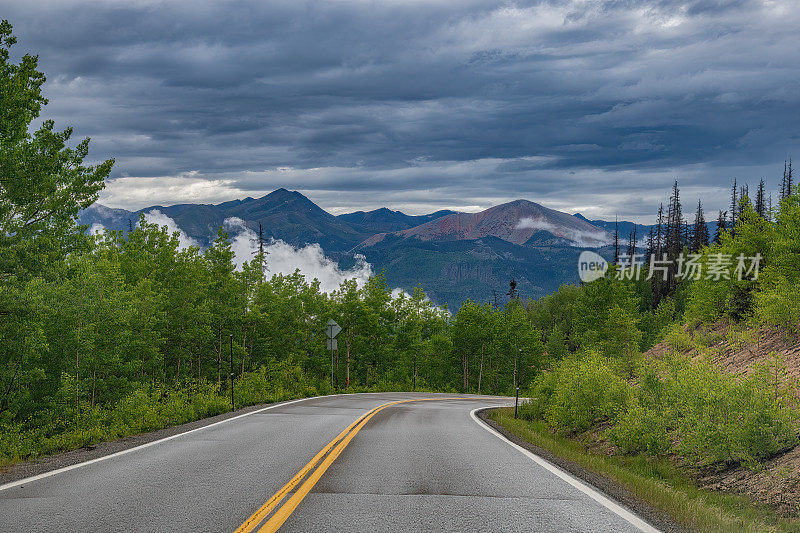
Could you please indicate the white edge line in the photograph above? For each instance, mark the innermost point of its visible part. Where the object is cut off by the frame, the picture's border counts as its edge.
(44, 475)
(580, 485)
(141, 446)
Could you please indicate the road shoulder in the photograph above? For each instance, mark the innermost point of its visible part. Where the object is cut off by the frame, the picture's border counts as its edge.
(50, 463)
(613, 490)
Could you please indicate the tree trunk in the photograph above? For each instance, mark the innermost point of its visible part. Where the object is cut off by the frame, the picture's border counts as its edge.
(465, 372)
(17, 368)
(94, 382)
(480, 371)
(244, 347)
(414, 386)
(219, 359)
(347, 379)
(180, 356)
(78, 367)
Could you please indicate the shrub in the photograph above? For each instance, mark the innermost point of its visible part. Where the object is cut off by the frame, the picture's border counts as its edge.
(645, 427)
(779, 304)
(641, 430)
(679, 339)
(582, 390)
(722, 418)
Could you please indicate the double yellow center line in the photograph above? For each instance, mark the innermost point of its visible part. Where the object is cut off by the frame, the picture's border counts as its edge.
(330, 452)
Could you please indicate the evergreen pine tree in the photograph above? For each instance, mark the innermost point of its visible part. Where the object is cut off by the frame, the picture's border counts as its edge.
(769, 208)
(744, 200)
(734, 207)
(722, 226)
(631, 251)
(675, 225)
(700, 230)
(761, 206)
(261, 254)
(659, 230)
(675, 236)
(655, 281)
(782, 193)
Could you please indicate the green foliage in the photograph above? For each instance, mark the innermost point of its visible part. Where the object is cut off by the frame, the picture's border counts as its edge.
(778, 302)
(641, 430)
(707, 416)
(644, 427)
(711, 298)
(605, 318)
(721, 418)
(277, 382)
(43, 182)
(530, 409)
(143, 409)
(655, 324)
(578, 392)
(133, 313)
(679, 339)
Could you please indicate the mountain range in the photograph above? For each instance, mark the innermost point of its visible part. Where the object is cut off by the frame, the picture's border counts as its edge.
(452, 255)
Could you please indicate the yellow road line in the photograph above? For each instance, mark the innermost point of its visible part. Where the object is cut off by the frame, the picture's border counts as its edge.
(288, 508)
(343, 439)
(264, 510)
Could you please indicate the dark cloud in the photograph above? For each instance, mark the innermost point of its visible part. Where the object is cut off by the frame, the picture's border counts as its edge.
(420, 105)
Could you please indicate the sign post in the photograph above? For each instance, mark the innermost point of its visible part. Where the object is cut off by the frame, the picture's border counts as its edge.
(331, 330)
(233, 407)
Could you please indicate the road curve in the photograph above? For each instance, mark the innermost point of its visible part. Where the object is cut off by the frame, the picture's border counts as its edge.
(412, 466)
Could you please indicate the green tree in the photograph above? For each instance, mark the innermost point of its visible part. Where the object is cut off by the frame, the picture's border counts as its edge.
(778, 302)
(466, 331)
(223, 294)
(714, 296)
(43, 183)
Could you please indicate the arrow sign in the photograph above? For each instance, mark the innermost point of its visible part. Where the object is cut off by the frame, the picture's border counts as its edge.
(331, 344)
(332, 329)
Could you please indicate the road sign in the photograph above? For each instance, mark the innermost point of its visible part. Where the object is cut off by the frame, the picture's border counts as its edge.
(332, 329)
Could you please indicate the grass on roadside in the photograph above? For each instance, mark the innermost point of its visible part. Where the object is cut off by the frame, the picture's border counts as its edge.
(657, 483)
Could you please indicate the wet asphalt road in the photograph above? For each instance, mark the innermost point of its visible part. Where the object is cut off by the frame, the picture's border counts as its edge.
(420, 466)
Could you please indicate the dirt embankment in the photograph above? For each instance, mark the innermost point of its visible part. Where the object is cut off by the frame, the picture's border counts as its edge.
(738, 350)
(777, 482)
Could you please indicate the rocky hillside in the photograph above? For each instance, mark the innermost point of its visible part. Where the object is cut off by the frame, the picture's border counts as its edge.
(519, 222)
(741, 350)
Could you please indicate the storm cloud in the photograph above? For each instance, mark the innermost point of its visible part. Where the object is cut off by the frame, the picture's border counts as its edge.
(580, 105)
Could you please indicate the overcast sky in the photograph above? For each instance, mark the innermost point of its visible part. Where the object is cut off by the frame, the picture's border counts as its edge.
(580, 105)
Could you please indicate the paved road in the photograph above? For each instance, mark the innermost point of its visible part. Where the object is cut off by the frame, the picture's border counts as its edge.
(414, 466)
